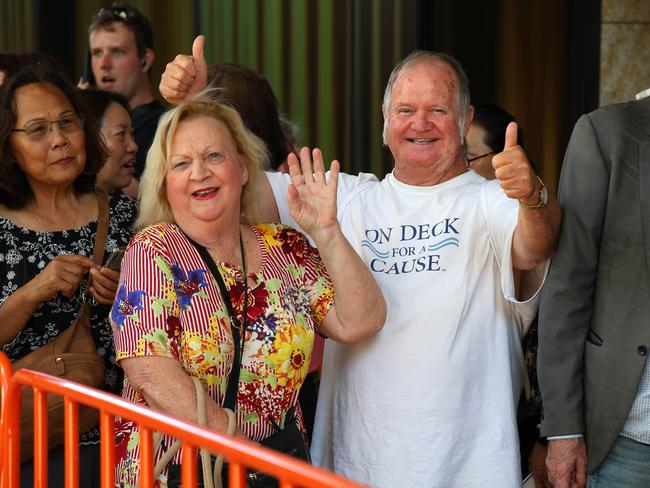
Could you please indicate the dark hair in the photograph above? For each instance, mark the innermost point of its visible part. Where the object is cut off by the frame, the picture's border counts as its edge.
(132, 20)
(495, 120)
(15, 191)
(11, 63)
(98, 100)
(251, 95)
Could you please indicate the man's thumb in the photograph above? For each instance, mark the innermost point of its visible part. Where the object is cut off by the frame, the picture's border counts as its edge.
(511, 136)
(198, 52)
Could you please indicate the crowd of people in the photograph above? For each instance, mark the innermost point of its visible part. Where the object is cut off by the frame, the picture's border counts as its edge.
(243, 255)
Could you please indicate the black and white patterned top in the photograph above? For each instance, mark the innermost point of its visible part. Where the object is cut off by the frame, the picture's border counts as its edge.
(24, 253)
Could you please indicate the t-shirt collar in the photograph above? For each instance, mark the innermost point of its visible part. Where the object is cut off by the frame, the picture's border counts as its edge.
(469, 176)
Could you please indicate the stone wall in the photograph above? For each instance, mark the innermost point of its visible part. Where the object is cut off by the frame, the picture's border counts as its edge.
(625, 50)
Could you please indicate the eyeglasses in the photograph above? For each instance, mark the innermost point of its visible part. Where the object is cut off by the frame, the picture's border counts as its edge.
(38, 130)
(469, 160)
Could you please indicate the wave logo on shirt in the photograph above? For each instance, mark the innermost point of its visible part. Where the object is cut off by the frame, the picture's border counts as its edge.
(375, 251)
(410, 248)
(452, 241)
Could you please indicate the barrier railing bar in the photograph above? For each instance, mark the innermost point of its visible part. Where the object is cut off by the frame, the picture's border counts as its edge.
(40, 438)
(107, 449)
(71, 419)
(146, 455)
(11, 432)
(235, 451)
(6, 370)
(189, 465)
(236, 475)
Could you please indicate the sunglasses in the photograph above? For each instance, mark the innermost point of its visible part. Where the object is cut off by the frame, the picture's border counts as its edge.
(125, 13)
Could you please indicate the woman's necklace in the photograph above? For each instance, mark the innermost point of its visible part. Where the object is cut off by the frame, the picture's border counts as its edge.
(49, 225)
(245, 277)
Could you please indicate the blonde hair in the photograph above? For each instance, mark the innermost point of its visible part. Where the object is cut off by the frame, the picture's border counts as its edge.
(154, 206)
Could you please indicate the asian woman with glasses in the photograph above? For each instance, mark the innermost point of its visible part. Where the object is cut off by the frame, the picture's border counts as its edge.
(48, 215)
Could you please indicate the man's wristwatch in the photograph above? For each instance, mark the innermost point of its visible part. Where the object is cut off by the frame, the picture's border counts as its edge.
(543, 197)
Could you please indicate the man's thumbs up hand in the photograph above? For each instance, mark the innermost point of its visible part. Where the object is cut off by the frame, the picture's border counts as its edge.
(185, 75)
(513, 170)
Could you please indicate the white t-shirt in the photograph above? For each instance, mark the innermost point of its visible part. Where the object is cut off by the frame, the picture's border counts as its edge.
(431, 400)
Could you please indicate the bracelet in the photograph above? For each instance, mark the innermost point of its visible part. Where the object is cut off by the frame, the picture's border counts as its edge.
(543, 197)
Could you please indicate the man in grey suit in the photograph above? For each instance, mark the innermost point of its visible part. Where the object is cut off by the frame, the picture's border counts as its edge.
(594, 330)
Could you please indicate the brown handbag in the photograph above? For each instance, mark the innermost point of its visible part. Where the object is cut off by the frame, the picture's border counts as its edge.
(71, 355)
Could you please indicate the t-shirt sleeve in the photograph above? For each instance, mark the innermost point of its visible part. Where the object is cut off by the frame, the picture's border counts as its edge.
(280, 185)
(501, 215)
(528, 306)
(145, 313)
(501, 219)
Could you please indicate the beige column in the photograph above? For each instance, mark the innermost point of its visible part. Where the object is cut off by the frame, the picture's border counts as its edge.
(625, 50)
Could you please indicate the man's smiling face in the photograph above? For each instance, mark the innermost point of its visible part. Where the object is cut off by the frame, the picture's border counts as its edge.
(422, 119)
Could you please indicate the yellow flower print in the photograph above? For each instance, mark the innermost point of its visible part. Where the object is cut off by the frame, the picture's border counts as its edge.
(216, 327)
(169, 292)
(155, 343)
(291, 357)
(269, 234)
(204, 357)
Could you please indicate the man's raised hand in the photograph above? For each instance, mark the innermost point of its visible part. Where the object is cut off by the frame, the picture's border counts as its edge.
(513, 170)
(186, 75)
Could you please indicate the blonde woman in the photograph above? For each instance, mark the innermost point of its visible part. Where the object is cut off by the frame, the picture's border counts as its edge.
(171, 321)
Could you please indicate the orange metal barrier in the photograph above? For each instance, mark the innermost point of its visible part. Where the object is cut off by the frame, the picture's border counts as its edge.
(6, 370)
(290, 472)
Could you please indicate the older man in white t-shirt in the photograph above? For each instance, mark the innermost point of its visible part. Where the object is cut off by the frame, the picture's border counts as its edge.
(430, 401)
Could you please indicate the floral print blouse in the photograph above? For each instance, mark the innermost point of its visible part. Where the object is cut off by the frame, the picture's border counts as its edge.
(24, 253)
(169, 304)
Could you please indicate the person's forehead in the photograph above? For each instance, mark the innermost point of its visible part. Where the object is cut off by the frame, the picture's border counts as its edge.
(116, 114)
(30, 98)
(206, 130)
(434, 76)
(30, 101)
(116, 33)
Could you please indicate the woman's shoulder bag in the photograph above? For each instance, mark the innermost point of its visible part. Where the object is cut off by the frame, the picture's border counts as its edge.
(71, 355)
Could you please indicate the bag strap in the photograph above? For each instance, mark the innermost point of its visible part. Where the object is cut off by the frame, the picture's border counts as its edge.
(102, 227)
(236, 324)
(211, 480)
(98, 251)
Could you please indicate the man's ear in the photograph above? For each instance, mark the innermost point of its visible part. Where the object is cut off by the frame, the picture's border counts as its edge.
(147, 60)
(468, 118)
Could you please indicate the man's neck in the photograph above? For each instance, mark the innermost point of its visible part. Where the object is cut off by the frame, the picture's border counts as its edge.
(430, 175)
(142, 97)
